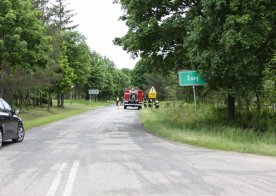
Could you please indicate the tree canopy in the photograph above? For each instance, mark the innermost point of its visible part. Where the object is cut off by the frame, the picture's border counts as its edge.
(23, 43)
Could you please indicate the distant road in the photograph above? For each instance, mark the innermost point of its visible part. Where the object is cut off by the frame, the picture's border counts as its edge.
(107, 152)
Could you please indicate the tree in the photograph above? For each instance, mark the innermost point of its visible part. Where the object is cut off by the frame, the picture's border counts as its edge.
(59, 25)
(121, 81)
(67, 76)
(78, 55)
(96, 77)
(156, 32)
(43, 7)
(101, 75)
(61, 16)
(23, 44)
(270, 83)
(22, 39)
(230, 42)
(126, 71)
(138, 74)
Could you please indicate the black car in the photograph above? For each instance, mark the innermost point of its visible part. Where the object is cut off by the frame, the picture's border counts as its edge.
(11, 126)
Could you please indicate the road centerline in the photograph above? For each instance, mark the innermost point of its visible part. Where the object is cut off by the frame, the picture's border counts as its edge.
(69, 185)
(53, 189)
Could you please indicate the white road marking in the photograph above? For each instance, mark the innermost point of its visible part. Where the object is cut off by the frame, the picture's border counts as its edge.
(71, 179)
(53, 189)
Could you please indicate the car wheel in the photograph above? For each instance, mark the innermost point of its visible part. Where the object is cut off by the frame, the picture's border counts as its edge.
(20, 134)
(1, 139)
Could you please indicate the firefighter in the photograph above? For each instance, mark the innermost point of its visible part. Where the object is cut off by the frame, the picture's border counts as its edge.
(156, 104)
(117, 101)
(149, 103)
(145, 102)
(122, 101)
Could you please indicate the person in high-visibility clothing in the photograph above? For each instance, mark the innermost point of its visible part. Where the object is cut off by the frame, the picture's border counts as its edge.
(117, 101)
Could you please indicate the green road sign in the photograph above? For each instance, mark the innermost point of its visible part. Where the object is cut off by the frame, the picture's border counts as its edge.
(190, 78)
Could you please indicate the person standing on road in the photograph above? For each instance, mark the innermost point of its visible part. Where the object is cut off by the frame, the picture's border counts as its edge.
(117, 101)
(122, 101)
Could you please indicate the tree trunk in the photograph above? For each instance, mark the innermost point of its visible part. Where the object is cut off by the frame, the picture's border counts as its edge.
(258, 102)
(21, 99)
(49, 101)
(58, 100)
(231, 107)
(37, 101)
(62, 100)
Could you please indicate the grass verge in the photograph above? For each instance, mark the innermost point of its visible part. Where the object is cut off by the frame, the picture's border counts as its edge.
(180, 125)
(36, 116)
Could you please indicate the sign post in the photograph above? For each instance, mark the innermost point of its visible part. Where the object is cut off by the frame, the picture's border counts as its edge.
(191, 78)
(194, 96)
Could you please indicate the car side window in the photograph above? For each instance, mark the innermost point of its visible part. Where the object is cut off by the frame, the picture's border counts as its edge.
(2, 108)
(6, 106)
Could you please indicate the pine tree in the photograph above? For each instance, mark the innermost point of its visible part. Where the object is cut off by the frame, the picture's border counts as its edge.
(61, 16)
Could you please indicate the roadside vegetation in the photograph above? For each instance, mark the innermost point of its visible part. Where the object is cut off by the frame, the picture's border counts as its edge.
(36, 116)
(179, 122)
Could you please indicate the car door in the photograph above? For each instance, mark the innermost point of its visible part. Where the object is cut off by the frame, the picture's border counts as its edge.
(4, 120)
(11, 123)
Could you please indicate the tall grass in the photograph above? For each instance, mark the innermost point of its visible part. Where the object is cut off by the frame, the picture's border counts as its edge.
(207, 128)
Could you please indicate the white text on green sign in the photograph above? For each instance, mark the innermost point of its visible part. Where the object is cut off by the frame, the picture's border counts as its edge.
(190, 78)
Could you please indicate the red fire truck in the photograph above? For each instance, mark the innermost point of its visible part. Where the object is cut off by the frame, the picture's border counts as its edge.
(133, 97)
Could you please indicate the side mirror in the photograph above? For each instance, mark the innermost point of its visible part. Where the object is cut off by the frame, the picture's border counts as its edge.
(15, 112)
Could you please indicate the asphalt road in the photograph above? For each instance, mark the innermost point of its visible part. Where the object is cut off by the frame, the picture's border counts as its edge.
(108, 152)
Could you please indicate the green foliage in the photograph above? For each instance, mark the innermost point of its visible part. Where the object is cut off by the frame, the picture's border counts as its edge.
(78, 55)
(96, 76)
(138, 76)
(67, 73)
(233, 45)
(23, 43)
(270, 83)
(61, 17)
(121, 81)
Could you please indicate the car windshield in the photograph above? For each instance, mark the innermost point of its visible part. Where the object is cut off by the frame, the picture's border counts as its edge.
(2, 108)
(6, 105)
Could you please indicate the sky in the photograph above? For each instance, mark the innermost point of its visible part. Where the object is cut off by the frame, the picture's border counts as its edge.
(99, 22)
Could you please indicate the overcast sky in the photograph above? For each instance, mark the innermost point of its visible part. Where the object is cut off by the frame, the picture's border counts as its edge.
(98, 22)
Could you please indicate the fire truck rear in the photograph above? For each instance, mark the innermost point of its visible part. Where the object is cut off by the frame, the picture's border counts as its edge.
(133, 98)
